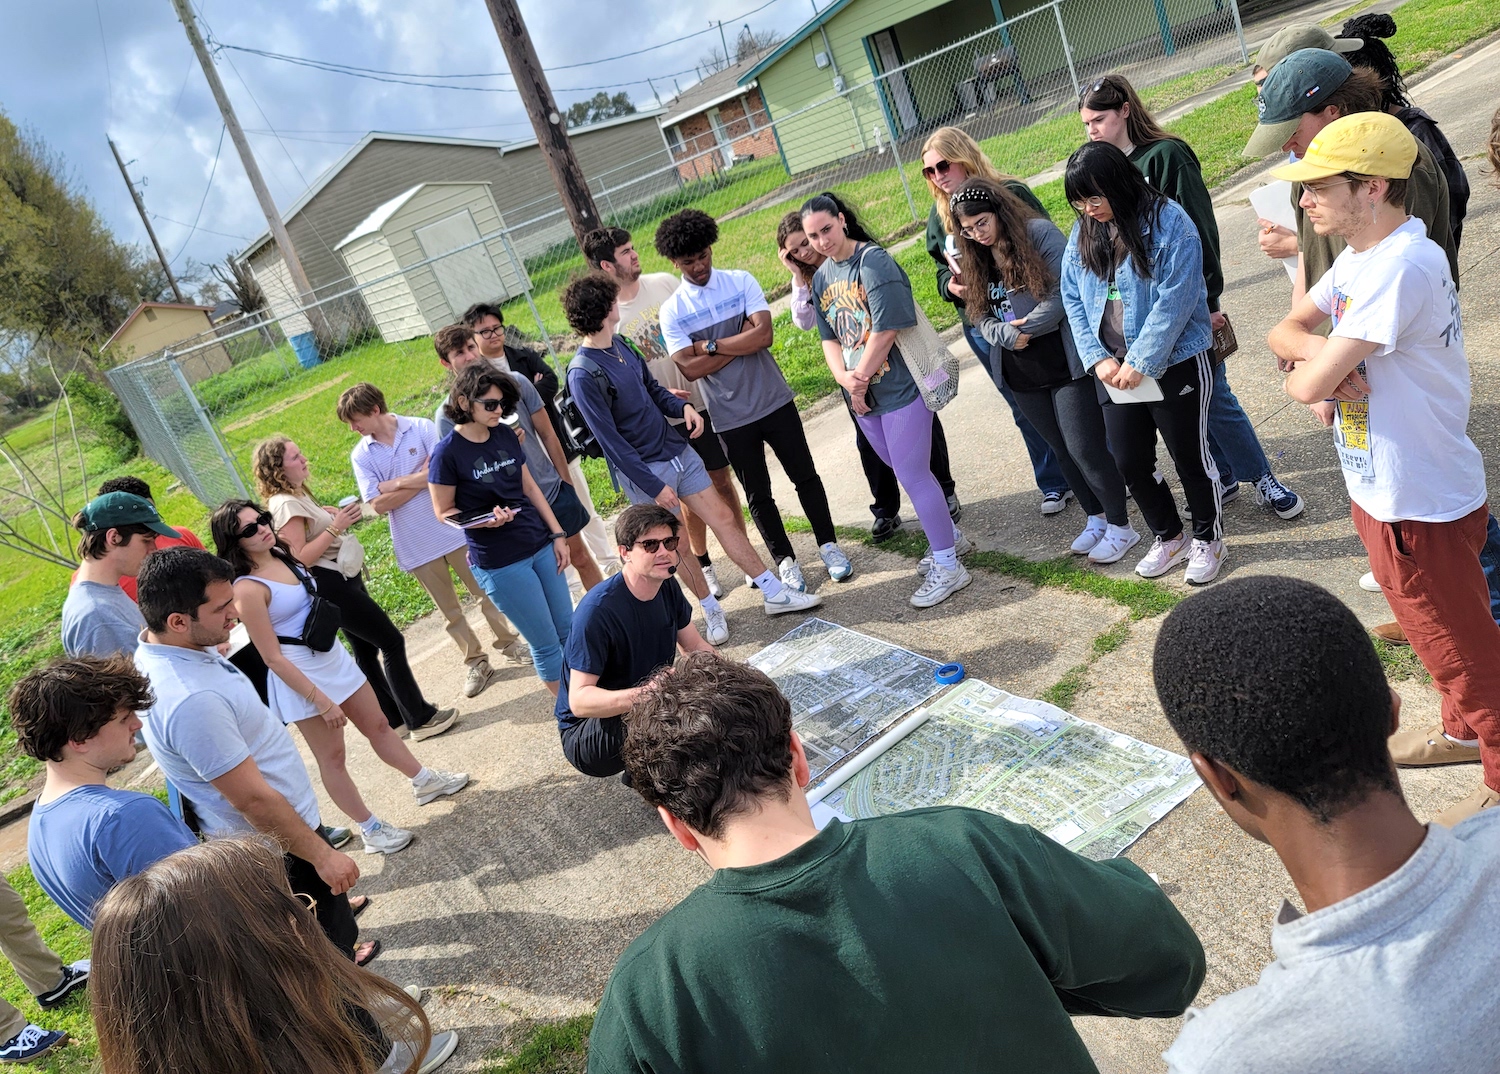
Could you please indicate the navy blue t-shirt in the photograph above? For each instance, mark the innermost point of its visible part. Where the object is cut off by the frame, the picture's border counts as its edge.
(484, 476)
(621, 638)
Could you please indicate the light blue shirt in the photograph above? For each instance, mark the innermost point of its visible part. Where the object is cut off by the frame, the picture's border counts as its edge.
(416, 534)
(100, 620)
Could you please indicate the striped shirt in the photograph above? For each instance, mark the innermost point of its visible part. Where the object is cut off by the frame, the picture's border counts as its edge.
(416, 534)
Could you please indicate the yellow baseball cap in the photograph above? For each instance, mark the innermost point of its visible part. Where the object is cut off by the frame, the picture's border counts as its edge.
(1365, 143)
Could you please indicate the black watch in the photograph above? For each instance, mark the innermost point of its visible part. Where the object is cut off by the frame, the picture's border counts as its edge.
(557, 536)
(711, 346)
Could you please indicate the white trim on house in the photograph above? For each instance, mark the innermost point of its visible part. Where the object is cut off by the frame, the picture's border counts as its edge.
(737, 91)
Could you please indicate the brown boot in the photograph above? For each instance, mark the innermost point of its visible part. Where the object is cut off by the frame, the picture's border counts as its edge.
(1390, 632)
(1483, 798)
(1418, 749)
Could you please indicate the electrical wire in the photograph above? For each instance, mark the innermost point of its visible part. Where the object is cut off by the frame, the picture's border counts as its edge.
(212, 171)
(109, 80)
(205, 230)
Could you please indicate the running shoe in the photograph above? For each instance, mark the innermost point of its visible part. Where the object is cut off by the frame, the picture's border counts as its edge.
(939, 585)
(839, 567)
(715, 626)
(791, 575)
(385, 838)
(962, 546)
(1117, 540)
(437, 784)
(715, 590)
(1084, 543)
(1164, 555)
(790, 600)
(1204, 561)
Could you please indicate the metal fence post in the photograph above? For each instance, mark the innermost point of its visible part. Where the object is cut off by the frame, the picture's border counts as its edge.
(890, 129)
(1067, 51)
(208, 427)
(1239, 30)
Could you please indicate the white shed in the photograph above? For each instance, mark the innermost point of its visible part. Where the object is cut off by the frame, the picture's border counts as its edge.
(420, 264)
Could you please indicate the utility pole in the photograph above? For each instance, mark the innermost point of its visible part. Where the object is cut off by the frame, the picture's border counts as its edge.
(546, 120)
(728, 59)
(252, 170)
(140, 207)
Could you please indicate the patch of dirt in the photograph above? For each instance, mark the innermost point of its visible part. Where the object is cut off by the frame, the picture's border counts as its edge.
(290, 401)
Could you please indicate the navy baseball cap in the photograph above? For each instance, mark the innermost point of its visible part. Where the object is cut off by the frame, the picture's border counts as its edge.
(116, 509)
(1297, 85)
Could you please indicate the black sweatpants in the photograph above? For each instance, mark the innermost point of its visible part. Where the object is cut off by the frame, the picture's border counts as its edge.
(1182, 419)
(1068, 417)
(379, 649)
(781, 430)
(332, 912)
(593, 745)
(882, 479)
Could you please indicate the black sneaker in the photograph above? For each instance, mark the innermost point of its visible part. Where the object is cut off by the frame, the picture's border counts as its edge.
(74, 977)
(885, 528)
(32, 1042)
(955, 509)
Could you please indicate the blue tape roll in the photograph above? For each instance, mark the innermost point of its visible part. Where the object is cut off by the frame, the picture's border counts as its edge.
(949, 674)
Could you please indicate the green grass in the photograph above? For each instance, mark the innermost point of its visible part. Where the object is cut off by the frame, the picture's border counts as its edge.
(547, 1048)
(1399, 662)
(70, 943)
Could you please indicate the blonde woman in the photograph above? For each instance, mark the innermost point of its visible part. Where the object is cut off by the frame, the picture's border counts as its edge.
(315, 534)
(950, 158)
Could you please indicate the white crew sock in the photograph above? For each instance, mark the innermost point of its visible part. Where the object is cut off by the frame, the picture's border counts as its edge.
(422, 776)
(947, 559)
(770, 586)
(709, 604)
(368, 826)
(1472, 743)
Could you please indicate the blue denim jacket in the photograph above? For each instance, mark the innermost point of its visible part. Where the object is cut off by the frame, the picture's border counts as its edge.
(1166, 317)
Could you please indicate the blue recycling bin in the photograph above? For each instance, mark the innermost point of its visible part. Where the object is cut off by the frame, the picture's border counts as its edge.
(306, 348)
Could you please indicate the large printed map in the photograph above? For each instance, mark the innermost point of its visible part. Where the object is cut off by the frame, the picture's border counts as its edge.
(845, 687)
(1092, 789)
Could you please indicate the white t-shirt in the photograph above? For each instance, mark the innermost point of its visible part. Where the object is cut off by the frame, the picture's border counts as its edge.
(1405, 451)
(750, 386)
(640, 322)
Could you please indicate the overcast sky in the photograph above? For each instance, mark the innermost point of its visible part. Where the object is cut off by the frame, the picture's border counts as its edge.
(76, 70)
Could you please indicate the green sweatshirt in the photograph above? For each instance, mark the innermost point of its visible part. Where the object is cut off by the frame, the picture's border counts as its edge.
(1172, 167)
(937, 238)
(940, 939)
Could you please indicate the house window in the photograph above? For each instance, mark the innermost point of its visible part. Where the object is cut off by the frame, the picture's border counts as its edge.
(674, 139)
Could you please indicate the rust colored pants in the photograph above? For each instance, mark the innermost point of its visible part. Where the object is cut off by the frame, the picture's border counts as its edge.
(1430, 574)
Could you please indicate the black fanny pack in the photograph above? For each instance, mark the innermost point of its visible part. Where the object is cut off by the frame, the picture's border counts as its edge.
(320, 630)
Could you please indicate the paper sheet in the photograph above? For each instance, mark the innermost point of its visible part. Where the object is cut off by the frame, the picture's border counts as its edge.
(1273, 202)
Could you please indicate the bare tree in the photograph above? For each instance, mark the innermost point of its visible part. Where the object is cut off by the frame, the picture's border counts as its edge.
(241, 284)
(750, 44)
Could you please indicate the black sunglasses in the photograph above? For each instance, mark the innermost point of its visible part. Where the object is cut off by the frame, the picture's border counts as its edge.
(651, 544)
(1117, 96)
(940, 168)
(490, 405)
(249, 529)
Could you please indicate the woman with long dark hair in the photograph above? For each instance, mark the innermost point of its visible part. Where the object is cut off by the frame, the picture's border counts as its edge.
(318, 692)
(1013, 261)
(1113, 112)
(863, 300)
(1132, 286)
(208, 962)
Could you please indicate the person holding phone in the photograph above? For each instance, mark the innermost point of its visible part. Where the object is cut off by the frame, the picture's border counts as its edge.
(480, 482)
(1136, 303)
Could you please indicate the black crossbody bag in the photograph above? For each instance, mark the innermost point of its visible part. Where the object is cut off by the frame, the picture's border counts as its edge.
(320, 630)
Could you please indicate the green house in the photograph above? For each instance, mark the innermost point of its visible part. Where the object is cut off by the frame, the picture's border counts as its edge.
(818, 84)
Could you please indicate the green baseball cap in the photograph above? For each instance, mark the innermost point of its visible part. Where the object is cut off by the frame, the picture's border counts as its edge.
(1298, 36)
(1297, 85)
(116, 509)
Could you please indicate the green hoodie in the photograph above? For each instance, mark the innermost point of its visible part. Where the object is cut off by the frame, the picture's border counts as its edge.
(1172, 167)
(937, 238)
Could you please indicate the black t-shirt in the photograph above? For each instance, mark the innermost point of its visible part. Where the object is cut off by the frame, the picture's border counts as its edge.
(484, 476)
(621, 638)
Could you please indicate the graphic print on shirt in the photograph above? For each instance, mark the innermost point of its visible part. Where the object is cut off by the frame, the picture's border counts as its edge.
(847, 310)
(1351, 425)
(484, 471)
(644, 330)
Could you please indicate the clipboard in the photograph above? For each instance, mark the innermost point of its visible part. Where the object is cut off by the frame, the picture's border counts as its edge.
(1147, 391)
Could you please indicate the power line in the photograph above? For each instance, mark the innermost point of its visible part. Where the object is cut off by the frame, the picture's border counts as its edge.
(205, 230)
(287, 132)
(213, 169)
(109, 80)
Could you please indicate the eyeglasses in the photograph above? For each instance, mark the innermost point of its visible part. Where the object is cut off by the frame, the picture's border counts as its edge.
(490, 333)
(651, 544)
(249, 529)
(1088, 203)
(1320, 192)
(490, 405)
(983, 222)
(940, 168)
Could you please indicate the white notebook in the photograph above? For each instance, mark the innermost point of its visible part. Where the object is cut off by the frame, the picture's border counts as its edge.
(1147, 391)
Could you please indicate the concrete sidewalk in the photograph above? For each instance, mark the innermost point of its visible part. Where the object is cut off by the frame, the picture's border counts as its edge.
(519, 893)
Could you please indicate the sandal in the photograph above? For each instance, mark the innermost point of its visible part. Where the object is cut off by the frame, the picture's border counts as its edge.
(365, 953)
(358, 904)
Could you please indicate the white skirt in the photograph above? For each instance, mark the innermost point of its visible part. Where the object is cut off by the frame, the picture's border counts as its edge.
(333, 672)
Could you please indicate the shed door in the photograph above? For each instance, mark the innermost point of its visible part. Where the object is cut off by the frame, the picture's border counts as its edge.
(468, 276)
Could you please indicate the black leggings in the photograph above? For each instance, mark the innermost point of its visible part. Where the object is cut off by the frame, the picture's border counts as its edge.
(1069, 418)
(746, 447)
(379, 649)
(882, 479)
(1182, 419)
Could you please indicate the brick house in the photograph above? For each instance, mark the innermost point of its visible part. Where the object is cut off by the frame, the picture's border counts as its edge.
(716, 122)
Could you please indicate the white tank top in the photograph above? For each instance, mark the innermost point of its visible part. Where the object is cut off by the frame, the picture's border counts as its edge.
(289, 605)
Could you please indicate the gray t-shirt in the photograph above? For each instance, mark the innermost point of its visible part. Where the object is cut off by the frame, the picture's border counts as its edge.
(1373, 983)
(537, 459)
(867, 293)
(100, 620)
(750, 386)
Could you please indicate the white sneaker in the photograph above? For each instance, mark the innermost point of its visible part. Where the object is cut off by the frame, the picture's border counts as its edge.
(716, 627)
(443, 1046)
(749, 582)
(1368, 583)
(715, 590)
(1111, 548)
(517, 652)
(962, 546)
(839, 567)
(437, 784)
(440, 722)
(791, 575)
(1164, 555)
(789, 600)
(1084, 543)
(939, 585)
(385, 839)
(1204, 561)
(479, 678)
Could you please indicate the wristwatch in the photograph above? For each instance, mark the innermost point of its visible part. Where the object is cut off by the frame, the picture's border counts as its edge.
(711, 346)
(557, 536)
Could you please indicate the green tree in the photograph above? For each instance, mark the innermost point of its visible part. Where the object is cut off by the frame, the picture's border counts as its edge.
(599, 107)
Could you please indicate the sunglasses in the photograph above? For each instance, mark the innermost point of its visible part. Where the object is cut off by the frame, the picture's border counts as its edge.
(651, 544)
(1102, 84)
(249, 529)
(490, 405)
(940, 168)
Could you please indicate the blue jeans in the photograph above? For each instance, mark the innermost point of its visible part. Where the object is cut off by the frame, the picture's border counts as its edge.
(1231, 438)
(1044, 465)
(535, 598)
(1489, 559)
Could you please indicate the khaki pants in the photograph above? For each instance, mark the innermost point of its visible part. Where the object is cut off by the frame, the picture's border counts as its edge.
(38, 967)
(434, 578)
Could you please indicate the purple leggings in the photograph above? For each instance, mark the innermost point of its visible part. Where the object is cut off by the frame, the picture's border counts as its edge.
(903, 440)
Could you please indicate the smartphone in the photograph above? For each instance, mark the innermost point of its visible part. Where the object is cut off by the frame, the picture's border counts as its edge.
(474, 518)
(953, 265)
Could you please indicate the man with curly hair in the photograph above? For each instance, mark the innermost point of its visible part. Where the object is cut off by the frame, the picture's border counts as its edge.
(627, 411)
(717, 328)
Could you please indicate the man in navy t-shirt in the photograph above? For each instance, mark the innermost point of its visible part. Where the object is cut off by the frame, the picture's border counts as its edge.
(624, 631)
(79, 718)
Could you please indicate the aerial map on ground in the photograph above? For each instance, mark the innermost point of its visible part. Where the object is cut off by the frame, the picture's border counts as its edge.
(845, 687)
(1092, 789)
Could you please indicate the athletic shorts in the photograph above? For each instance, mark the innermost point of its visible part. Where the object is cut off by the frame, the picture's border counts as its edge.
(684, 474)
(572, 516)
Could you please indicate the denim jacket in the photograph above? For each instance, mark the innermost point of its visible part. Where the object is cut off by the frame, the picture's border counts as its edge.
(1166, 317)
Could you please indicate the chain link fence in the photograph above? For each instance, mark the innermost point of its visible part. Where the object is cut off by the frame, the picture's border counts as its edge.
(1012, 86)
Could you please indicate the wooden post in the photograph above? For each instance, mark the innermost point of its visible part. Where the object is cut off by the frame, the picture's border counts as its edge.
(550, 126)
(140, 207)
